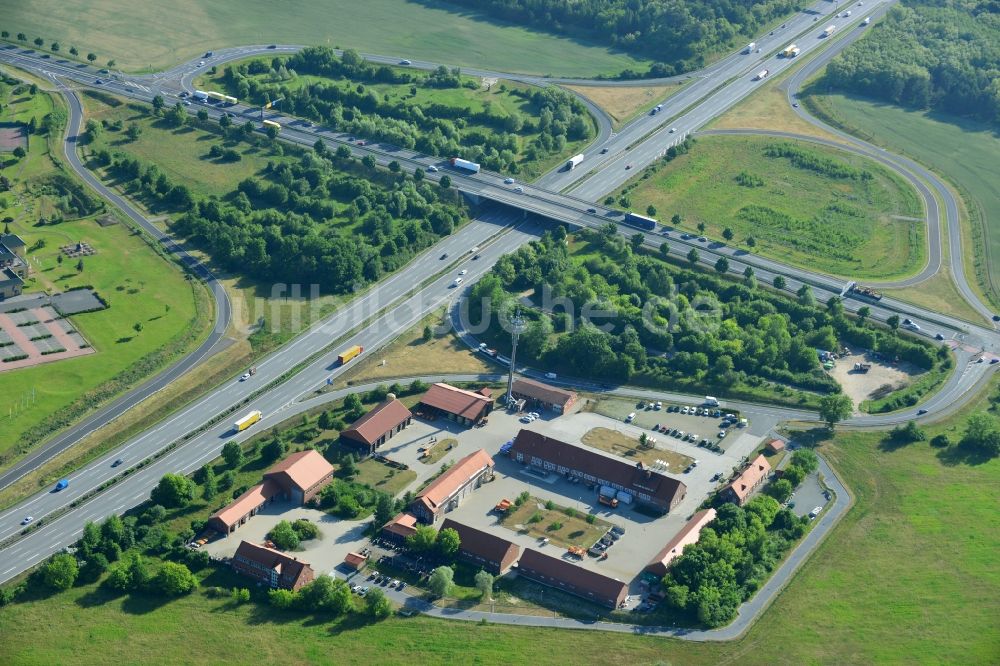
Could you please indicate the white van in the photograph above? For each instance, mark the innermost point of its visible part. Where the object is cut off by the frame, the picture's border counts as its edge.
(630, 418)
(710, 401)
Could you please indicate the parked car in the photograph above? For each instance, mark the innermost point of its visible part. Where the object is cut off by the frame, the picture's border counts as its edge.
(815, 512)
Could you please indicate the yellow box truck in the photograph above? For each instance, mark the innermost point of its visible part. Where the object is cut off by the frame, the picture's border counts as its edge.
(247, 421)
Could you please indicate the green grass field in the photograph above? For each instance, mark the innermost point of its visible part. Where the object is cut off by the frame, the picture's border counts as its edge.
(964, 152)
(840, 226)
(157, 35)
(141, 286)
(908, 576)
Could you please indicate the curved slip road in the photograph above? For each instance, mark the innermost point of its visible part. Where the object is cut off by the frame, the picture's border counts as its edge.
(223, 313)
(941, 190)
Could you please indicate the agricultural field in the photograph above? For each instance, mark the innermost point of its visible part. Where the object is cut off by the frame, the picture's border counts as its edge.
(187, 28)
(504, 125)
(910, 501)
(803, 204)
(150, 321)
(962, 151)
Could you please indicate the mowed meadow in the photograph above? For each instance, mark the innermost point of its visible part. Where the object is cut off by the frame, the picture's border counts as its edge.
(145, 34)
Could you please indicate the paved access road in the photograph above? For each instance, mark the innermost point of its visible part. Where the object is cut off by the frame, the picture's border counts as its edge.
(223, 315)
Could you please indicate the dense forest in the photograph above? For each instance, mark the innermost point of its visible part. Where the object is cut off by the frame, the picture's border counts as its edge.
(512, 127)
(938, 54)
(325, 219)
(667, 325)
(678, 34)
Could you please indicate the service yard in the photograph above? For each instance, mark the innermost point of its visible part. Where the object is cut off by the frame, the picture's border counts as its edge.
(556, 508)
(861, 386)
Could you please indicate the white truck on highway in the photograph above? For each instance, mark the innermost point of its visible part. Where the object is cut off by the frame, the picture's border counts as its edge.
(459, 163)
(762, 74)
(830, 29)
(791, 51)
(574, 162)
(868, 19)
(750, 47)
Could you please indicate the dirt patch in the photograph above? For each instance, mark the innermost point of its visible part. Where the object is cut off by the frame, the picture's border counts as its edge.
(629, 447)
(860, 386)
(12, 135)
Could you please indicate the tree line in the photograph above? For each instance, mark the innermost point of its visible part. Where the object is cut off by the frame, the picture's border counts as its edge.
(678, 34)
(503, 140)
(669, 325)
(940, 54)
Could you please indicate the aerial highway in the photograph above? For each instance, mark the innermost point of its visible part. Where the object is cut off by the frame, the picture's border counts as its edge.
(394, 305)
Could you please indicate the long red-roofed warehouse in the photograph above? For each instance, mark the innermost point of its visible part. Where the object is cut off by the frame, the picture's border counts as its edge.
(635, 482)
(445, 493)
(688, 535)
(572, 578)
(465, 407)
(376, 427)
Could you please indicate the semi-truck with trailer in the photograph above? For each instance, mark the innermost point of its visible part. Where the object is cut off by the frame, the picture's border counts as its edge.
(247, 421)
(349, 353)
(200, 95)
(641, 221)
(864, 292)
(466, 165)
(574, 162)
(762, 74)
(830, 29)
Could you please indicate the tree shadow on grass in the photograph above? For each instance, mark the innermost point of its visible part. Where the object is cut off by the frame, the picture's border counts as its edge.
(98, 596)
(141, 604)
(812, 438)
(963, 454)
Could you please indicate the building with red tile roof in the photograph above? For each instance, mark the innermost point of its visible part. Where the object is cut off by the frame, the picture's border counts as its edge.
(572, 578)
(399, 528)
(465, 407)
(376, 427)
(537, 394)
(749, 480)
(645, 486)
(302, 475)
(299, 477)
(775, 446)
(355, 561)
(446, 492)
(687, 535)
(482, 549)
(271, 567)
